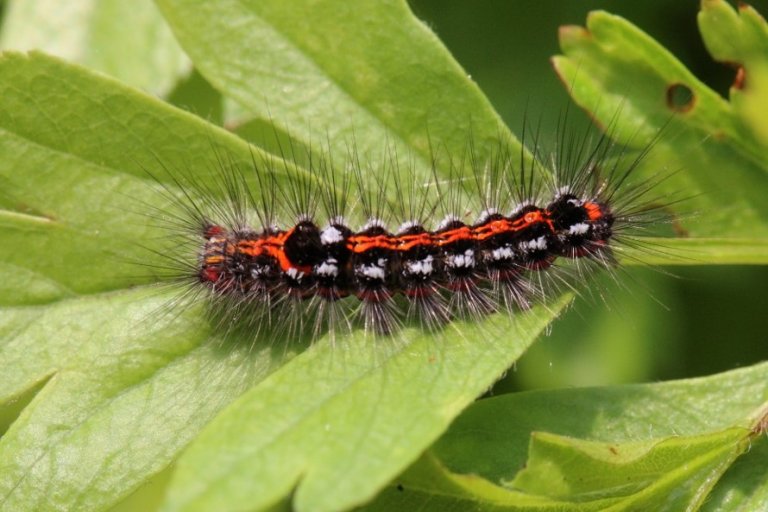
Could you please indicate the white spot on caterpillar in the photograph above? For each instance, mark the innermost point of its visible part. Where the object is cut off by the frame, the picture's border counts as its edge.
(423, 267)
(294, 273)
(330, 235)
(517, 209)
(502, 253)
(578, 229)
(328, 268)
(259, 271)
(371, 272)
(538, 244)
(466, 260)
(304, 217)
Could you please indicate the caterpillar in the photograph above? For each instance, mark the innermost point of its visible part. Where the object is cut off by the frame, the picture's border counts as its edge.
(359, 245)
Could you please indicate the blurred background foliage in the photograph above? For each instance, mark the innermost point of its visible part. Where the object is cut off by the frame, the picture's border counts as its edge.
(657, 323)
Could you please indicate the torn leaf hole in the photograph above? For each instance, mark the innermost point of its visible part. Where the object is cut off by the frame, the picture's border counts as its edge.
(680, 98)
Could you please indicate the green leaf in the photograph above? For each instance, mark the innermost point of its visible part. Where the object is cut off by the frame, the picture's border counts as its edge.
(568, 474)
(670, 474)
(369, 71)
(612, 66)
(639, 447)
(72, 192)
(127, 40)
(740, 39)
(123, 397)
(744, 487)
(428, 485)
(611, 414)
(697, 251)
(340, 421)
(126, 388)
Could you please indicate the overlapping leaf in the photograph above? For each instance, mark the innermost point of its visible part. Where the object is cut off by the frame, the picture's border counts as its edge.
(712, 148)
(369, 72)
(127, 40)
(640, 447)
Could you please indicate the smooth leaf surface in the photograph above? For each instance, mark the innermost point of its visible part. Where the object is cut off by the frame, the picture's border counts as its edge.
(126, 387)
(428, 485)
(568, 474)
(715, 157)
(127, 40)
(125, 393)
(696, 251)
(495, 431)
(350, 430)
(744, 487)
(684, 434)
(369, 71)
(74, 149)
(123, 398)
(671, 474)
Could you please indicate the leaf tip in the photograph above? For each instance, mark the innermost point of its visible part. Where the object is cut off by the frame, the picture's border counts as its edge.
(571, 35)
(598, 17)
(710, 4)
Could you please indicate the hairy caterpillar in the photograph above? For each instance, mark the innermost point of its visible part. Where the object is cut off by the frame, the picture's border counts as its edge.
(359, 245)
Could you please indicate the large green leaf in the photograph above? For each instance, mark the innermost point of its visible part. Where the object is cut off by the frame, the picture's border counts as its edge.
(568, 474)
(339, 422)
(120, 388)
(124, 395)
(128, 40)
(125, 386)
(639, 447)
(74, 148)
(368, 70)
